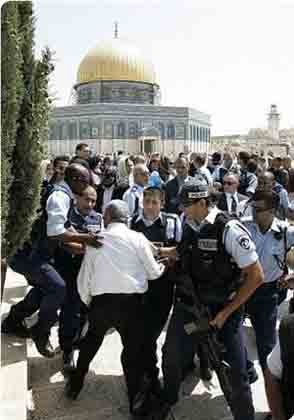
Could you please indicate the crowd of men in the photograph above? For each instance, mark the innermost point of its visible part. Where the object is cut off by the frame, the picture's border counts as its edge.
(126, 241)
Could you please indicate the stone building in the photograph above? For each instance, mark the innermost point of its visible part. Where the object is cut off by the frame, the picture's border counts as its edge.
(116, 106)
(259, 140)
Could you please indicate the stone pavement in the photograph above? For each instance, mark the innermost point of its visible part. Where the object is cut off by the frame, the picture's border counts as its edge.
(13, 374)
(104, 394)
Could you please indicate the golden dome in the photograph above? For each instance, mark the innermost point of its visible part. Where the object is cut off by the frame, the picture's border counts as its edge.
(115, 60)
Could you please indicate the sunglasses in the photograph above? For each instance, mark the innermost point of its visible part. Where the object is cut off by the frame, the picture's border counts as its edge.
(229, 183)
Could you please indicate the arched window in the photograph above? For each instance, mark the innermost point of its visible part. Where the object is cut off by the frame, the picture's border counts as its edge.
(121, 130)
(171, 131)
(133, 130)
(161, 130)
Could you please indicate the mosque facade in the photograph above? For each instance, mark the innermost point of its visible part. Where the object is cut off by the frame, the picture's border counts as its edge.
(116, 105)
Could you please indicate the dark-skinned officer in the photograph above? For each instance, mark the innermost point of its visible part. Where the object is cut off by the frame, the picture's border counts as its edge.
(36, 263)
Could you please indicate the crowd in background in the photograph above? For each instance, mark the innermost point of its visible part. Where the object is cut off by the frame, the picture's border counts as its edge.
(159, 197)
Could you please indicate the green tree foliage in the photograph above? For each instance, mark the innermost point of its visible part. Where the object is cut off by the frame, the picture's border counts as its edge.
(26, 144)
(11, 94)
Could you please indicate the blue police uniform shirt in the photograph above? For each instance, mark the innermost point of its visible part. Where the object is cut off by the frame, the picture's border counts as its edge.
(270, 247)
(134, 198)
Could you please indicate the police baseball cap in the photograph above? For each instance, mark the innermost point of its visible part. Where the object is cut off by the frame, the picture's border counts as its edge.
(193, 191)
(151, 188)
(264, 200)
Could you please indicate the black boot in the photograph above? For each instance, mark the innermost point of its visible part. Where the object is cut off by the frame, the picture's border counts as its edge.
(42, 342)
(68, 361)
(14, 325)
(74, 385)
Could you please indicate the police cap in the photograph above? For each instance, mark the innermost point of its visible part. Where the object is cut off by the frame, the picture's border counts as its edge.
(192, 191)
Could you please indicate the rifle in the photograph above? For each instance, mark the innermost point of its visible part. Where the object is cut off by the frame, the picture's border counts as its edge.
(208, 339)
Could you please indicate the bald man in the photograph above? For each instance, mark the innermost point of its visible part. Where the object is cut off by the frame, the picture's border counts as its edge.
(35, 262)
(268, 182)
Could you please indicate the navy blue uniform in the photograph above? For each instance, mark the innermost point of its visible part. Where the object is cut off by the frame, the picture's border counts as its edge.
(158, 299)
(213, 255)
(36, 263)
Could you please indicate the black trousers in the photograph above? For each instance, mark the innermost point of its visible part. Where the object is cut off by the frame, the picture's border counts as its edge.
(124, 312)
(179, 347)
(158, 301)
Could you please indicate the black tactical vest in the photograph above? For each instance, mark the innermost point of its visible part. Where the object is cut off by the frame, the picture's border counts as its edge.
(286, 335)
(214, 273)
(42, 246)
(82, 224)
(163, 230)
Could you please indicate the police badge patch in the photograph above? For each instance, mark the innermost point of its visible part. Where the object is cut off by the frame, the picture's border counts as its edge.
(244, 242)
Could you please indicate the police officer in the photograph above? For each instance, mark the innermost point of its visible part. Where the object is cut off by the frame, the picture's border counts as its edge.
(218, 252)
(164, 230)
(134, 195)
(68, 259)
(272, 238)
(35, 262)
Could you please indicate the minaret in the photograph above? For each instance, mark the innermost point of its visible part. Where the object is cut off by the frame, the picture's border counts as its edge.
(115, 30)
(274, 123)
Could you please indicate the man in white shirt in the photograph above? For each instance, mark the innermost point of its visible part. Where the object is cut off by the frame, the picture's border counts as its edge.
(112, 280)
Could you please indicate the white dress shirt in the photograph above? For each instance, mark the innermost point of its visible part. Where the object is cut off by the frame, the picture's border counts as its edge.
(230, 200)
(124, 264)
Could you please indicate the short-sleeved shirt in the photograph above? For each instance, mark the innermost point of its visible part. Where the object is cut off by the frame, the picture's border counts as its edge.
(274, 362)
(237, 241)
(272, 246)
(57, 207)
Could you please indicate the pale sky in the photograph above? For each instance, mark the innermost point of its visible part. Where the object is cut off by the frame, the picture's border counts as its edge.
(229, 58)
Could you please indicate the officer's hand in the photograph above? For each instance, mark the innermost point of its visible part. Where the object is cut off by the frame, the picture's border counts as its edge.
(75, 248)
(287, 282)
(219, 320)
(93, 240)
(170, 252)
